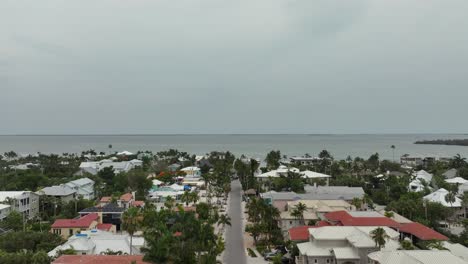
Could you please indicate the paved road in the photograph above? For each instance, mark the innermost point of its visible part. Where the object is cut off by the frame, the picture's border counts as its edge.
(235, 252)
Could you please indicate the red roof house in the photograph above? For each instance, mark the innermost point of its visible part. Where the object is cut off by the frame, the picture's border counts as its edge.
(413, 229)
(421, 231)
(343, 218)
(105, 227)
(70, 227)
(301, 233)
(82, 222)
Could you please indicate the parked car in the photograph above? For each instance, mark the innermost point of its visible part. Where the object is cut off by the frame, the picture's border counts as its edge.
(271, 255)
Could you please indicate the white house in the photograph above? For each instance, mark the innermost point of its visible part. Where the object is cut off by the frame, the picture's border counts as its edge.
(93, 167)
(60, 192)
(4, 211)
(414, 257)
(281, 171)
(192, 172)
(96, 242)
(83, 187)
(419, 179)
(315, 209)
(24, 202)
(439, 197)
(342, 244)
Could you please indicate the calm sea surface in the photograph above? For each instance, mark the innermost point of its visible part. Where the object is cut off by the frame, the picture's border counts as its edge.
(252, 145)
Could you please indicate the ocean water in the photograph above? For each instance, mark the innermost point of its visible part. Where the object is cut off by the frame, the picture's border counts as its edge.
(252, 145)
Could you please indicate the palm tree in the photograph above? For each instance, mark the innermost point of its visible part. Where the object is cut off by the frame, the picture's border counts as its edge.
(169, 203)
(450, 198)
(131, 220)
(436, 244)
(357, 203)
(458, 161)
(298, 212)
(393, 150)
(379, 236)
(186, 198)
(224, 220)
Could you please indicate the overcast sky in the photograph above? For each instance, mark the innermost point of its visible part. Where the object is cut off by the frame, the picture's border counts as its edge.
(245, 66)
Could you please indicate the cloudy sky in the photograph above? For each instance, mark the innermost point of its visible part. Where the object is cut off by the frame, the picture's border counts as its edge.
(245, 66)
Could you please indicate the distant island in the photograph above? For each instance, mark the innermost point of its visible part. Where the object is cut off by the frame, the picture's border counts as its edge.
(453, 142)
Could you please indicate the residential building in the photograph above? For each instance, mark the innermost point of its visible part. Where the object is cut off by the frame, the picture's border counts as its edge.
(305, 160)
(281, 171)
(84, 188)
(61, 193)
(69, 227)
(315, 209)
(24, 202)
(456, 249)
(92, 259)
(333, 192)
(452, 173)
(158, 194)
(97, 242)
(342, 244)
(110, 213)
(439, 196)
(411, 161)
(316, 193)
(93, 167)
(421, 180)
(192, 172)
(4, 211)
(413, 230)
(174, 167)
(25, 166)
(312, 176)
(414, 257)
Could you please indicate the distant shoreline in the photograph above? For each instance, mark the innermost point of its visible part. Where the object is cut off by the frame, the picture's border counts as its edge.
(449, 142)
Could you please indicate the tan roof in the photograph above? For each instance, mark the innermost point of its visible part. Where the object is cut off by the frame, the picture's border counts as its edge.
(322, 205)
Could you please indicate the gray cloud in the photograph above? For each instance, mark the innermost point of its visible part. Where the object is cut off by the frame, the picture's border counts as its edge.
(293, 66)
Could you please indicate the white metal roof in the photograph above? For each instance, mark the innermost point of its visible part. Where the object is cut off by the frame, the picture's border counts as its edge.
(313, 175)
(439, 197)
(458, 180)
(415, 257)
(457, 249)
(11, 194)
(345, 253)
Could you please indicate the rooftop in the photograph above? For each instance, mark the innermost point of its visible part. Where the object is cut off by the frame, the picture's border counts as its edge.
(301, 233)
(415, 257)
(360, 219)
(92, 259)
(439, 197)
(104, 227)
(84, 221)
(108, 208)
(97, 241)
(9, 194)
(60, 190)
(421, 231)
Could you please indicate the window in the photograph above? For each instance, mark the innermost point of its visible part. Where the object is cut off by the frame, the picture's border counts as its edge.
(315, 260)
(328, 260)
(290, 222)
